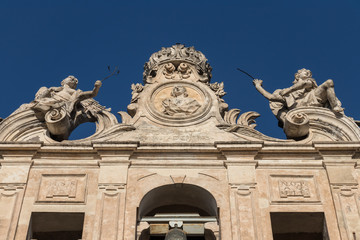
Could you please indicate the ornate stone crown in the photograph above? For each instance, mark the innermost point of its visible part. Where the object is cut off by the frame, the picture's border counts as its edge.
(176, 54)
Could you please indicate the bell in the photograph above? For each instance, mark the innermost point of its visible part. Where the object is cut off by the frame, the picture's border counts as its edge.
(175, 234)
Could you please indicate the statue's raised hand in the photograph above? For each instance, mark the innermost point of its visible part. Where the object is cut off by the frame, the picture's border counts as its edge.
(257, 82)
(98, 84)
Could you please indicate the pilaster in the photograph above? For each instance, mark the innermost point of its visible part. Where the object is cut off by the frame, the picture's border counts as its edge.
(241, 164)
(110, 210)
(340, 167)
(15, 165)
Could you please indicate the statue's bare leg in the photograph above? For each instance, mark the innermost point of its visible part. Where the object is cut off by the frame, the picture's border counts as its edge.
(325, 92)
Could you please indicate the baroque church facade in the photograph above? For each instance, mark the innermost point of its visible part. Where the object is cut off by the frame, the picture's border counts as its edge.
(180, 164)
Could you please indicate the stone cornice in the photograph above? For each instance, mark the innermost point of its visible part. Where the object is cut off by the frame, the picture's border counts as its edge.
(338, 153)
(252, 153)
(18, 153)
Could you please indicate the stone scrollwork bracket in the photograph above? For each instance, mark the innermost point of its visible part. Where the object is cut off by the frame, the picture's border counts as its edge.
(246, 119)
(296, 125)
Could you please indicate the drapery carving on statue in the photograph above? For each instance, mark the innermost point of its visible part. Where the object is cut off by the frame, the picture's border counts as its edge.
(180, 104)
(303, 93)
(64, 108)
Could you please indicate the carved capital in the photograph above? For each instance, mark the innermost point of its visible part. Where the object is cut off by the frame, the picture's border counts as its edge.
(346, 190)
(111, 187)
(243, 189)
(10, 188)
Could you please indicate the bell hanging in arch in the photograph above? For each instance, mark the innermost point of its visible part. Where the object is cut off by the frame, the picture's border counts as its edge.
(176, 234)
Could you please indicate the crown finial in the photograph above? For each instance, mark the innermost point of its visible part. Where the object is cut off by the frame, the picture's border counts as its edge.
(176, 54)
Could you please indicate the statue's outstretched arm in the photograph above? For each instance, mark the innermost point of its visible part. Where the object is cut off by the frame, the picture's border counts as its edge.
(56, 89)
(90, 94)
(266, 94)
(297, 86)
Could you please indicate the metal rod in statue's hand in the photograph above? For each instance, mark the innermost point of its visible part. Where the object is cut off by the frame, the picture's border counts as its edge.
(115, 72)
(245, 73)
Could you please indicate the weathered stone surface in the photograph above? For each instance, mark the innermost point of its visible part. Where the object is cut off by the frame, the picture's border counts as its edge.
(180, 156)
(304, 93)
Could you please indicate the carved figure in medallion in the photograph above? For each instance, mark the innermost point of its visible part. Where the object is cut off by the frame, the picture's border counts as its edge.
(303, 93)
(180, 103)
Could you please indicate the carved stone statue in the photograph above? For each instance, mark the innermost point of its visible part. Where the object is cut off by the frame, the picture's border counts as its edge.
(180, 103)
(303, 93)
(64, 108)
(65, 96)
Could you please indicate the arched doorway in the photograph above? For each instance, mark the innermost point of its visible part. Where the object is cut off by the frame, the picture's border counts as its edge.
(187, 206)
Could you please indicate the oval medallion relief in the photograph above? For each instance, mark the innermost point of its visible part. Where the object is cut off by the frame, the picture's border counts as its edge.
(178, 103)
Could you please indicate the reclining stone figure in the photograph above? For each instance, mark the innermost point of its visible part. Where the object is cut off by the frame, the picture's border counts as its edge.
(64, 108)
(303, 93)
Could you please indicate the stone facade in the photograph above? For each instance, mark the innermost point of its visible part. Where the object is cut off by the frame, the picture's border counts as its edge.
(180, 161)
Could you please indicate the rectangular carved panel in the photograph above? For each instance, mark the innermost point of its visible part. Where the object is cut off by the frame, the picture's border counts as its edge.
(62, 188)
(293, 189)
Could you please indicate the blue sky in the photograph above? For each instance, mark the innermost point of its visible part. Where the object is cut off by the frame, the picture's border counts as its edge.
(42, 42)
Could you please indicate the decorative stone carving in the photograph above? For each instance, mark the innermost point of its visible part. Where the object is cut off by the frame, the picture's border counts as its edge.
(176, 58)
(245, 119)
(296, 124)
(55, 188)
(304, 93)
(59, 110)
(293, 189)
(319, 123)
(183, 71)
(218, 88)
(132, 107)
(178, 93)
(136, 90)
(62, 188)
(177, 103)
(180, 103)
(64, 108)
